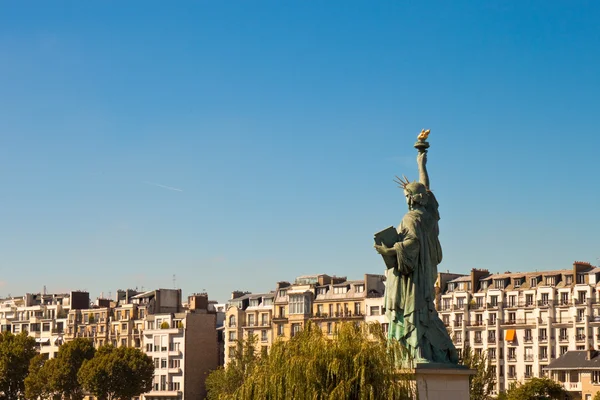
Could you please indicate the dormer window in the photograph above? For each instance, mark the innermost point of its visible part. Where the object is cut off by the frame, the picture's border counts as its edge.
(499, 283)
(340, 289)
(533, 282)
(322, 290)
(282, 293)
(569, 279)
(485, 284)
(518, 282)
(359, 288)
(254, 302)
(550, 280)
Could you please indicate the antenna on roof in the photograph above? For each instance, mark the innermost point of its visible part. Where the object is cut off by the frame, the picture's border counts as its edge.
(174, 282)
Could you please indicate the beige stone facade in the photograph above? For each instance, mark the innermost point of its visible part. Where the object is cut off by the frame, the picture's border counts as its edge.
(522, 321)
(280, 314)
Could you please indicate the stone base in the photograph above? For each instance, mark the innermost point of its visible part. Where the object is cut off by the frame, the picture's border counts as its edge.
(442, 382)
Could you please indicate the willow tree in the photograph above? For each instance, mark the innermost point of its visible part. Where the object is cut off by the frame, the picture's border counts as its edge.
(357, 363)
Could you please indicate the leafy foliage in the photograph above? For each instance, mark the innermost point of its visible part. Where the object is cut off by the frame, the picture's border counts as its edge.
(117, 373)
(483, 382)
(16, 352)
(63, 371)
(38, 382)
(596, 396)
(358, 363)
(165, 325)
(535, 389)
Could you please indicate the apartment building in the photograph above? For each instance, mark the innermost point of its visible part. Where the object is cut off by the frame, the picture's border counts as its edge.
(523, 321)
(182, 341)
(282, 313)
(42, 315)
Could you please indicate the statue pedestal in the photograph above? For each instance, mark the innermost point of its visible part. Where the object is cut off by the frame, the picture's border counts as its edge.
(442, 382)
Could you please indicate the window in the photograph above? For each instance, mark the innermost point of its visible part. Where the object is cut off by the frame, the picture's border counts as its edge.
(581, 296)
(264, 319)
(329, 328)
(563, 349)
(533, 282)
(596, 377)
(479, 319)
(295, 329)
(550, 280)
(493, 319)
(322, 290)
(340, 289)
(254, 302)
(499, 283)
(564, 298)
(528, 335)
(528, 354)
(282, 293)
(494, 301)
(374, 310)
(280, 330)
(281, 312)
(543, 353)
(492, 353)
(299, 304)
(268, 302)
(581, 315)
(580, 348)
(512, 301)
(231, 336)
(477, 336)
(250, 319)
(263, 335)
(518, 282)
(569, 279)
(512, 317)
(156, 363)
(512, 371)
(512, 353)
(123, 342)
(446, 319)
(563, 334)
(446, 304)
(460, 302)
(528, 371)
(580, 279)
(458, 337)
(231, 351)
(528, 299)
(232, 321)
(545, 299)
(174, 363)
(360, 288)
(357, 310)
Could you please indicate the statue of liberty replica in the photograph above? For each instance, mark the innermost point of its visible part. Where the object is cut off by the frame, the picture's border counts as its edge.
(412, 253)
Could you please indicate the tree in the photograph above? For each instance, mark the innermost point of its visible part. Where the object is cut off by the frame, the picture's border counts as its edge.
(536, 389)
(16, 352)
(37, 383)
(596, 396)
(117, 373)
(483, 382)
(358, 363)
(62, 373)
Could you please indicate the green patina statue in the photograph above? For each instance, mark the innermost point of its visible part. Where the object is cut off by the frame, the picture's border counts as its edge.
(411, 260)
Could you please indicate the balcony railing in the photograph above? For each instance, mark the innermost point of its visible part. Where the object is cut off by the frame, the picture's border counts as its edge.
(457, 324)
(528, 339)
(528, 357)
(542, 339)
(544, 303)
(511, 376)
(580, 338)
(478, 340)
(563, 338)
(511, 357)
(492, 339)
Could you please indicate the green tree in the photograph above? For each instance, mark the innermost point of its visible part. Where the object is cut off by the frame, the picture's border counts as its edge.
(118, 373)
(37, 383)
(16, 352)
(536, 389)
(596, 396)
(483, 382)
(358, 363)
(62, 372)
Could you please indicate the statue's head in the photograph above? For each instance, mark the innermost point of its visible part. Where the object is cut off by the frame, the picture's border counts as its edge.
(415, 192)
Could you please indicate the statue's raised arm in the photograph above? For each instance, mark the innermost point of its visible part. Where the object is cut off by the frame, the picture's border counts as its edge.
(422, 145)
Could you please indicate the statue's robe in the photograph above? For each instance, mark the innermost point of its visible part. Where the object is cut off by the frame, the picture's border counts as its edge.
(409, 292)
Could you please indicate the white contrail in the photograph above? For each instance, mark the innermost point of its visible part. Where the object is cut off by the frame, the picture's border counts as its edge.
(164, 186)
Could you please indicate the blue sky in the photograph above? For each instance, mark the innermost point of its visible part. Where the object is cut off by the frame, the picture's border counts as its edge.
(282, 124)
